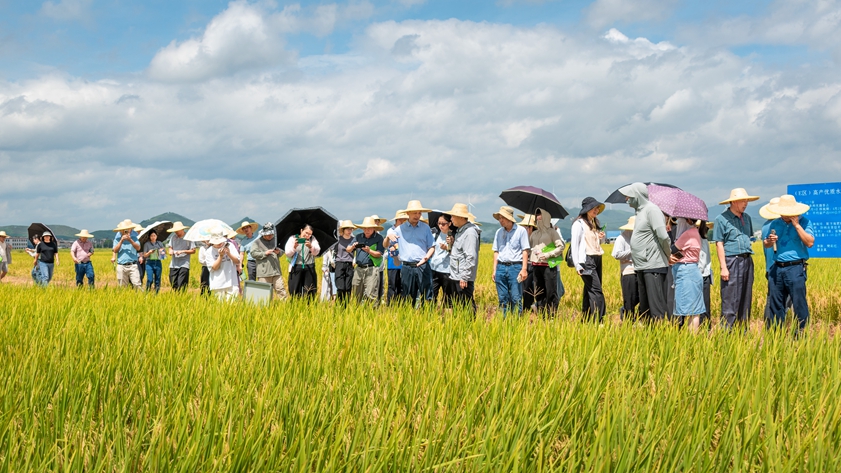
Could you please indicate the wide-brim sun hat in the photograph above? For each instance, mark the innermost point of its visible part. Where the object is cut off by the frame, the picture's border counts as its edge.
(589, 203)
(765, 211)
(345, 224)
(505, 212)
(369, 222)
(528, 221)
(459, 210)
(739, 194)
(268, 229)
(232, 234)
(415, 206)
(84, 234)
(216, 238)
(472, 219)
(176, 227)
(630, 225)
(401, 215)
(125, 225)
(246, 224)
(788, 206)
(3, 234)
(379, 220)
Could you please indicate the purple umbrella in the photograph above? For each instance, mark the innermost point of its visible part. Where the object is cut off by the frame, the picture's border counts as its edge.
(529, 199)
(677, 203)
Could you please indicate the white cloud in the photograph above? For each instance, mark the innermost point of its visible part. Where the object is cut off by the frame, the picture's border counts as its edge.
(68, 10)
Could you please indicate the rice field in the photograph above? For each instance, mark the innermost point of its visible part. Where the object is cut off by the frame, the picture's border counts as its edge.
(114, 380)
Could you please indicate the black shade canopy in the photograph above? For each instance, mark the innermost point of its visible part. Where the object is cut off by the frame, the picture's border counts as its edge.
(38, 229)
(323, 223)
(617, 198)
(528, 199)
(158, 227)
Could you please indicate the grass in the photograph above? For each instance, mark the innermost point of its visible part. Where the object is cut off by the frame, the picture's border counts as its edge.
(122, 381)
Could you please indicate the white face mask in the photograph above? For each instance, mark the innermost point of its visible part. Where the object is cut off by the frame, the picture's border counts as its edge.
(682, 226)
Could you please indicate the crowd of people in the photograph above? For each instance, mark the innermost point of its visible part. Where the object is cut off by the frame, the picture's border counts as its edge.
(665, 264)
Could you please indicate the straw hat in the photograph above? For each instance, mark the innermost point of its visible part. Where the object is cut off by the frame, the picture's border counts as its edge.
(766, 213)
(788, 207)
(528, 221)
(138, 228)
(232, 234)
(739, 194)
(415, 206)
(345, 224)
(216, 238)
(3, 234)
(125, 225)
(84, 234)
(369, 222)
(472, 219)
(178, 226)
(401, 215)
(379, 220)
(459, 210)
(505, 212)
(630, 225)
(253, 225)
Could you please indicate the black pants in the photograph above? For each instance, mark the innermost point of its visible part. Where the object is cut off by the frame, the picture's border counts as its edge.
(302, 281)
(381, 288)
(413, 284)
(653, 293)
(442, 282)
(528, 288)
(204, 281)
(737, 293)
(670, 294)
(344, 280)
(630, 296)
(426, 282)
(705, 317)
(395, 286)
(463, 298)
(251, 269)
(592, 300)
(179, 278)
(141, 268)
(546, 288)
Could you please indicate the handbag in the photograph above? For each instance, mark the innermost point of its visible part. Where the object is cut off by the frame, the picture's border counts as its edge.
(568, 257)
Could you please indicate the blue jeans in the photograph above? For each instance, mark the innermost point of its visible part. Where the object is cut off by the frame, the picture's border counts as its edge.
(153, 274)
(508, 290)
(783, 283)
(46, 272)
(82, 270)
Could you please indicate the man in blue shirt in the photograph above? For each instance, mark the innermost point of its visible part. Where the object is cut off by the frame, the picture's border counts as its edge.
(511, 258)
(769, 252)
(247, 229)
(792, 236)
(732, 233)
(126, 246)
(416, 246)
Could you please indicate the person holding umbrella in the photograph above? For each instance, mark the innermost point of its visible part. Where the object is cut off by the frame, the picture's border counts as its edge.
(369, 251)
(440, 261)
(153, 251)
(180, 251)
(247, 229)
(689, 282)
(301, 250)
(586, 250)
(81, 252)
(46, 256)
(546, 247)
(344, 261)
(126, 247)
(511, 258)
(529, 292)
(416, 246)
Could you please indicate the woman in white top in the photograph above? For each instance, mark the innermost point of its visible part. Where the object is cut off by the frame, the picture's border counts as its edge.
(587, 252)
(301, 250)
(223, 260)
(204, 278)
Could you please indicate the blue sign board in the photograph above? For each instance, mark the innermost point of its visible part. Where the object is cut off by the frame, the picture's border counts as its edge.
(824, 201)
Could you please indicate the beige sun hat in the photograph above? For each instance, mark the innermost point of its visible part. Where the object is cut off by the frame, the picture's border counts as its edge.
(505, 212)
(232, 234)
(379, 220)
(84, 234)
(459, 210)
(345, 224)
(369, 222)
(739, 194)
(630, 225)
(788, 206)
(125, 225)
(401, 215)
(253, 225)
(178, 226)
(472, 219)
(415, 206)
(216, 238)
(3, 234)
(765, 211)
(528, 221)
(138, 227)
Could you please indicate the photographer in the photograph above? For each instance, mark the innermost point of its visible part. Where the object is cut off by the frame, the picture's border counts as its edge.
(440, 261)
(125, 250)
(223, 260)
(264, 252)
(301, 250)
(369, 252)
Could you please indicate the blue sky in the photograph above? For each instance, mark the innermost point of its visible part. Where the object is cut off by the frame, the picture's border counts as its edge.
(254, 107)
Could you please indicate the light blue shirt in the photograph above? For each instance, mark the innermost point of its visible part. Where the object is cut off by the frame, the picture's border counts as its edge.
(413, 242)
(440, 261)
(245, 243)
(789, 245)
(126, 253)
(510, 245)
(769, 252)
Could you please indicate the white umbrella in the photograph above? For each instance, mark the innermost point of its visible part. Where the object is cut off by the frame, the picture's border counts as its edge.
(201, 230)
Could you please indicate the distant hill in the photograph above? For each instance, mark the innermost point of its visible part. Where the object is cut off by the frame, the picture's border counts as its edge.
(62, 232)
(168, 216)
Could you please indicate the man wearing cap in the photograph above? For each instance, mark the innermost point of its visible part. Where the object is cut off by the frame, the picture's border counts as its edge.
(81, 252)
(395, 267)
(180, 251)
(125, 249)
(792, 236)
(414, 239)
(369, 256)
(732, 233)
(650, 251)
(5, 255)
(511, 258)
(247, 229)
(464, 257)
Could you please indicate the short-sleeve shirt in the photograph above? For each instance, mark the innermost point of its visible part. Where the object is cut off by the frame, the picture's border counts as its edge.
(126, 254)
(734, 232)
(769, 252)
(225, 276)
(789, 245)
(413, 241)
(440, 261)
(149, 246)
(342, 256)
(245, 244)
(179, 244)
(392, 264)
(47, 251)
(511, 244)
(362, 257)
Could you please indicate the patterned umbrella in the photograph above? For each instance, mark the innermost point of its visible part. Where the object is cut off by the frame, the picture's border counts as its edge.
(529, 199)
(677, 203)
(201, 230)
(617, 198)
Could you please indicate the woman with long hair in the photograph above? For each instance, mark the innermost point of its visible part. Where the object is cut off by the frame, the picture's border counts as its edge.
(689, 283)
(587, 236)
(301, 250)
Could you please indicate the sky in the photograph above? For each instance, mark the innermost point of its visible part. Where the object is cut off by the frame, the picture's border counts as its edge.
(114, 109)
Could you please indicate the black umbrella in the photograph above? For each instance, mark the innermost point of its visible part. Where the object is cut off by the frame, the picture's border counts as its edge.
(433, 218)
(158, 227)
(323, 225)
(38, 229)
(617, 198)
(529, 199)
